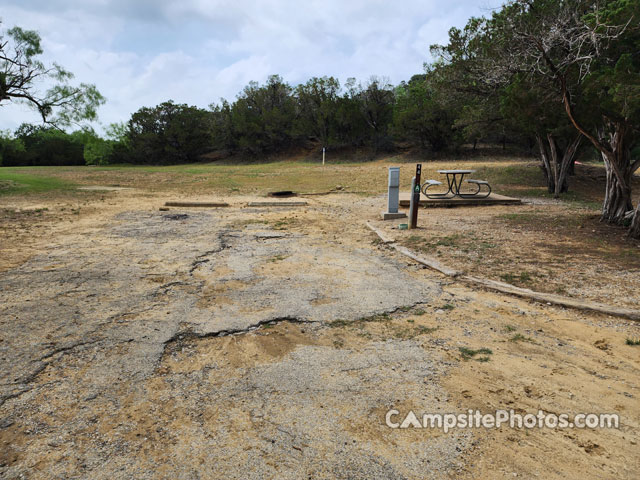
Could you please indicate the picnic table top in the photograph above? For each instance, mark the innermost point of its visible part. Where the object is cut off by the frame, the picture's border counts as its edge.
(456, 171)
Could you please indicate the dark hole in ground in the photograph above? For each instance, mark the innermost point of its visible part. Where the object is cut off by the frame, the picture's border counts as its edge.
(176, 216)
(283, 194)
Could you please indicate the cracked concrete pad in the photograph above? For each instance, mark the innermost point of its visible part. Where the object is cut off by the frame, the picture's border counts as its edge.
(317, 410)
(257, 277)
(152, 276)
(85, 329)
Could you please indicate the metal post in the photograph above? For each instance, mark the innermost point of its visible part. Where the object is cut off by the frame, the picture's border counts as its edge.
(415, 198)
(412, 205)
(322, 155)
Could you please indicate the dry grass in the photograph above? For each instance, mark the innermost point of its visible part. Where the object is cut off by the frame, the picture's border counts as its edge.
(258, 178)
(551, 246)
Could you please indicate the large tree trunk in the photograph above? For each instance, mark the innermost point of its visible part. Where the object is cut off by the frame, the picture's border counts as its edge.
(619, 168)
(555, 163)
(617, 197)
(616, 154)
(546, 163)
(634, 229)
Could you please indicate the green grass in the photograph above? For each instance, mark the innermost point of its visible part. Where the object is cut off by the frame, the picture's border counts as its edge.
(469, 353)
(518, 337)
(424, 330)
(511, 175)
(433, 243)
(277, 258)
(522, 277)
(302, 174)
(633, 341)
(527, 180)
(544, 220)
(249, 178)
(448, 241)
(16, 183)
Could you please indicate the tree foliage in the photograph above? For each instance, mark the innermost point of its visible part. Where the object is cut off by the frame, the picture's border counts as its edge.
(168, 133)
(22, 73)
(317, 105)
(578, 57)
(263, 116)
(420, 116)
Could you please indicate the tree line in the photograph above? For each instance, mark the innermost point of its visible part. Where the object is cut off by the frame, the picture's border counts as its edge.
(558, 76)
(264, 119)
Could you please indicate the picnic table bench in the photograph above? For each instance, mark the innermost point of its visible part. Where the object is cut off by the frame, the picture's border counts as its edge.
(454, 182)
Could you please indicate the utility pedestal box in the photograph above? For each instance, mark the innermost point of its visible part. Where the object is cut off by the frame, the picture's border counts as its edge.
(394, 195)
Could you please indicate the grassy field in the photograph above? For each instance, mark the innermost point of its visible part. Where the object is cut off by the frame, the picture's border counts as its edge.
(511, 176)
(19, 181)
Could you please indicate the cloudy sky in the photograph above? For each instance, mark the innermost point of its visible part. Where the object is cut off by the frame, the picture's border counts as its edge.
(143, 52)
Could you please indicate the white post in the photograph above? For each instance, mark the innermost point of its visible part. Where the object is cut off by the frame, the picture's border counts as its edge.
(322, 155)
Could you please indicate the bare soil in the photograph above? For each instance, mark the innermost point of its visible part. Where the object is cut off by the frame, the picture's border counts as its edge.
(544, 245)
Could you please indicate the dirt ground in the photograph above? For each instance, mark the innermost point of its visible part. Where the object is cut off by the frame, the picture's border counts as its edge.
(271, 342)
(543, 245)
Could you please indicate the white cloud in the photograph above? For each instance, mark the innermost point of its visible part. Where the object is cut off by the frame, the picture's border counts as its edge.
(195, 51)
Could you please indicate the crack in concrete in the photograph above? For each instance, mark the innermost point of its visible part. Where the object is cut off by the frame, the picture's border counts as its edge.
(164, 289)
(200, 259)
(190, 335)
(42, 364)
(66, 349)
(134, 313)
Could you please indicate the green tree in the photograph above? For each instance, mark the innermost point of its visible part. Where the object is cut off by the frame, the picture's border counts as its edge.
(317, 102)
(263, 116)
(12, 149)
(21, 74)
(587, 52)
(45, 145)
(351, 129)
(223, 136)
(539, 113)
(376, 101)
(168, 133)
(98, 151)
(420, 118)
(463, 86)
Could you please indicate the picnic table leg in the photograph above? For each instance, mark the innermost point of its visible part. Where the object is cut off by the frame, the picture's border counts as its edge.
(450, 184)
(458, 184)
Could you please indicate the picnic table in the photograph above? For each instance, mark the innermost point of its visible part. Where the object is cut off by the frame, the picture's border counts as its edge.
(454, 182)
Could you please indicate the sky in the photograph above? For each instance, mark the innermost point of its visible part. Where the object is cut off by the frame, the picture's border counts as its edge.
(143, 52)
